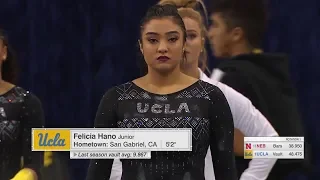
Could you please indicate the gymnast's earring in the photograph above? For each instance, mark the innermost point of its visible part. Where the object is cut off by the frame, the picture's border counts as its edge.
(4, 57)
(203, 44)
(140, 46)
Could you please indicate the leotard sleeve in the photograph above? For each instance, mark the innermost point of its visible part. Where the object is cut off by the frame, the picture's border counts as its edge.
(222, 137)
(106, 117)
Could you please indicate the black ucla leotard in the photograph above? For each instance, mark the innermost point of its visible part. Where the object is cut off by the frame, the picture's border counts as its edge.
(201, 106)
(19, 112)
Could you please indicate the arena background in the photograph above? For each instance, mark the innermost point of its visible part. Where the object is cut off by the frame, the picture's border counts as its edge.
(70, 52)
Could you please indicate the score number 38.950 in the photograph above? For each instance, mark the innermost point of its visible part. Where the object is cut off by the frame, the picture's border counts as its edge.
(300, 146)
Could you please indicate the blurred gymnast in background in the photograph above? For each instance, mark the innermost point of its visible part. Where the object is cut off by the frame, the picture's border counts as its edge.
(162, 43)
(20, 111)
(246, 117)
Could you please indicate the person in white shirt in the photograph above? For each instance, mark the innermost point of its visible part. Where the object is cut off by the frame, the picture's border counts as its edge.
(248, 120)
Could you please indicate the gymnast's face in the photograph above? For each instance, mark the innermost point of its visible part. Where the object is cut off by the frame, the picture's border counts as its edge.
(195, 41)
(162, 45)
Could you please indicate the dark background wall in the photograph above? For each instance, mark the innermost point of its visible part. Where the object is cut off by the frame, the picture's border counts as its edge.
(70, 52)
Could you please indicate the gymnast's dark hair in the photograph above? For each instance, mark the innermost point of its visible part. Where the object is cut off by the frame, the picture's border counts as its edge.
(9, 68)
(158, 12)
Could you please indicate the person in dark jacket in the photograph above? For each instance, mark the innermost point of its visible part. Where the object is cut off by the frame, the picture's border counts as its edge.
(235, 34)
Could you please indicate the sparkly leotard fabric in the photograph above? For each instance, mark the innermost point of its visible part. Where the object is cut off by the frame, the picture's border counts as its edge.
(19, 112)
(201, 106)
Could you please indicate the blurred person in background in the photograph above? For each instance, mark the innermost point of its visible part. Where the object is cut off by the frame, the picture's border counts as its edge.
(162, 43)
(20, 111)
(235, 34)
(247, 119)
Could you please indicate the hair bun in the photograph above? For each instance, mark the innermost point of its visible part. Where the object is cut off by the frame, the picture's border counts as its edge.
(189, 3)
(180, 3)
(197, 5)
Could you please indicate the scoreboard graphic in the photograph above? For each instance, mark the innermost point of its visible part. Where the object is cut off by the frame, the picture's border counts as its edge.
(274, 147)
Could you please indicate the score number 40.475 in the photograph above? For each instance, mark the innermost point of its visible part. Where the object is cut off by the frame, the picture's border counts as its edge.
(295, 154)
